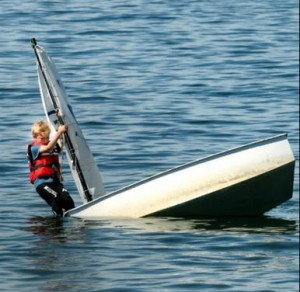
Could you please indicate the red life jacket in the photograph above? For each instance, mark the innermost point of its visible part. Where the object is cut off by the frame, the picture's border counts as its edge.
(46, 165)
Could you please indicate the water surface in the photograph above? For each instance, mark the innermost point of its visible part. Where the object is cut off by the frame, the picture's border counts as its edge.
(153, 84)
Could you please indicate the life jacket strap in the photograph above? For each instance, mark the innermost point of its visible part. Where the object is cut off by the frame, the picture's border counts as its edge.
(33, 168)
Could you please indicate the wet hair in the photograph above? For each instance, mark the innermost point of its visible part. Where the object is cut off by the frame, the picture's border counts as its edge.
(38, 127)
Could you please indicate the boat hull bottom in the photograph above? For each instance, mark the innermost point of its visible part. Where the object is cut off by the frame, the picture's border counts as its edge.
(252, 197)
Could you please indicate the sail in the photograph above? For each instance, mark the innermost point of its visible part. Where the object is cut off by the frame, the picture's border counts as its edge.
(58, 110)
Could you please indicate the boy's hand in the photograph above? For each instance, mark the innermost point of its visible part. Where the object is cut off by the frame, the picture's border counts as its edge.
(62, 129)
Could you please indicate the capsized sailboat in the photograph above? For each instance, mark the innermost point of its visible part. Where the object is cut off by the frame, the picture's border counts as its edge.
(245, 181)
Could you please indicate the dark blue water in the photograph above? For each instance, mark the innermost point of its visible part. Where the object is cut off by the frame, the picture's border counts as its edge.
(153, 84)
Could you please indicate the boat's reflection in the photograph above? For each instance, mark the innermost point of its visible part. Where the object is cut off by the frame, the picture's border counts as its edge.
(261, 224)
(63, 228)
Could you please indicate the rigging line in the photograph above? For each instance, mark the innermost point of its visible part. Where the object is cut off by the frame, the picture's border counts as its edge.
(62, 142)
(60, 120)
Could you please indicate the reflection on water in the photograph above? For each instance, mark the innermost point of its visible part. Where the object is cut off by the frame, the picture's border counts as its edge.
(261, 224)
(67, 253)
(71, 229)
(54, 251)
(55, 229)
(46, 226)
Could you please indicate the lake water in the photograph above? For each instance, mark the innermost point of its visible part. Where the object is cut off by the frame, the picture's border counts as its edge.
(153, 84)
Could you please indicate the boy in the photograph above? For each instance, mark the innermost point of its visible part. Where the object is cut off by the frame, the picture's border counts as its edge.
(43, 159)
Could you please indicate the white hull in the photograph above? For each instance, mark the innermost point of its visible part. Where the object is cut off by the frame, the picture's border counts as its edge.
(249, 180)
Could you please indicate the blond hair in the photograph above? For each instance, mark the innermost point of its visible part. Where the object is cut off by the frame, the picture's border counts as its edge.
(38, 127)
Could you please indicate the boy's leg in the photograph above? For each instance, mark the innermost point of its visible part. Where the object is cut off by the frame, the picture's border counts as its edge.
(50, 195)
(65, 199)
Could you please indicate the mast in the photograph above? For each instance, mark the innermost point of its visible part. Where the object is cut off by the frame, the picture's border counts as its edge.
(70, 146)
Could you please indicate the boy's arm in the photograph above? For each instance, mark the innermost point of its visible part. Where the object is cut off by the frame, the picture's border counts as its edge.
(52, 143)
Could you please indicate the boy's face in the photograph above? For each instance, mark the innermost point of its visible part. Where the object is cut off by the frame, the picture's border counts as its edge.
(43, 136)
